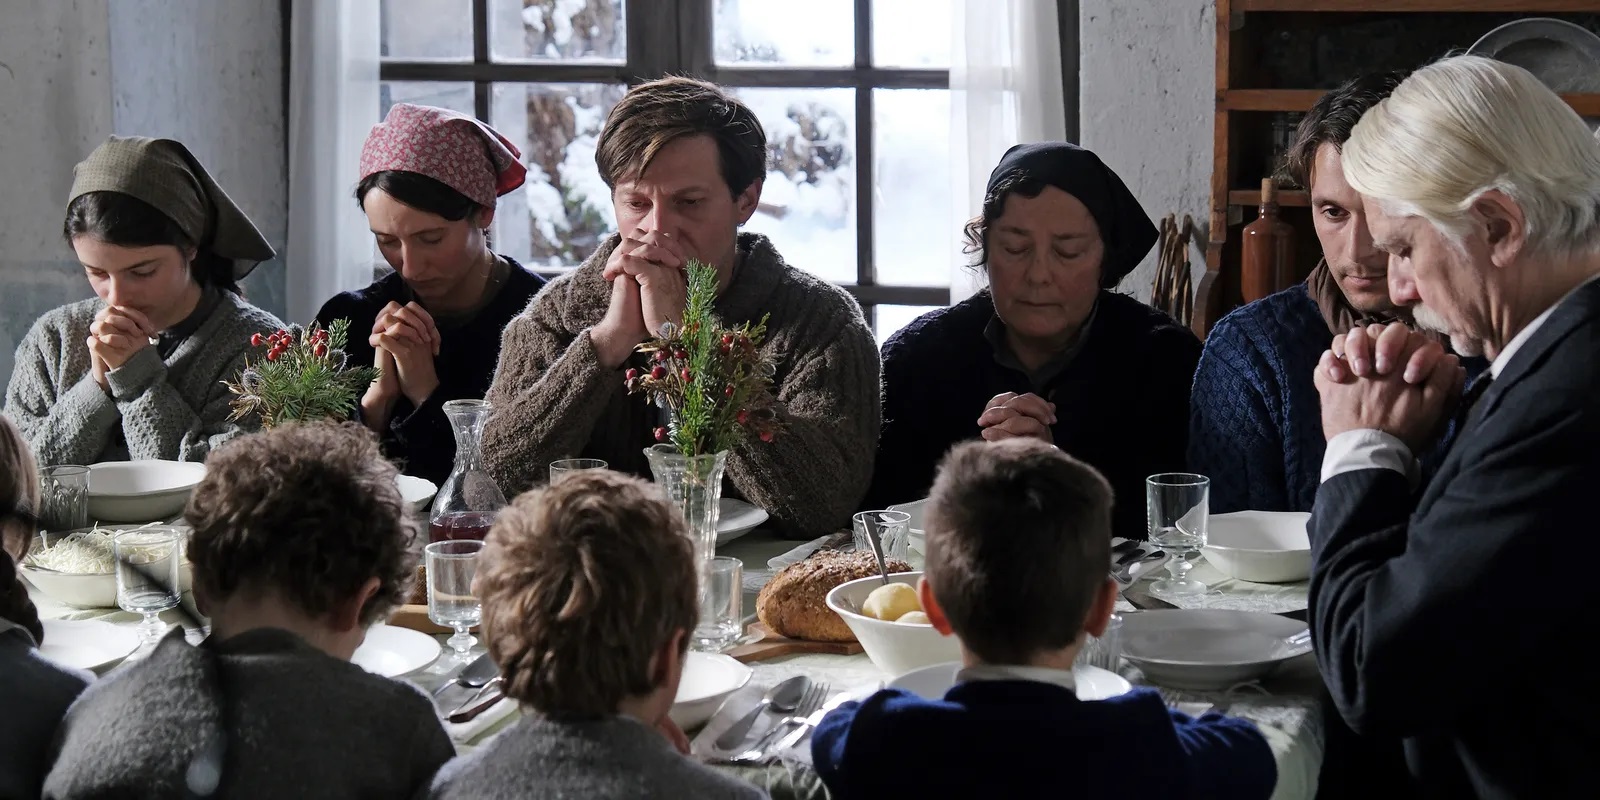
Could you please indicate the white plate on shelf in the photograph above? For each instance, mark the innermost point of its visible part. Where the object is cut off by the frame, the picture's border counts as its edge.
(934, 680)
(1207, 650)
(708, 679)
(737, 518)
(392, 651)
(418, 492)
(87, 644)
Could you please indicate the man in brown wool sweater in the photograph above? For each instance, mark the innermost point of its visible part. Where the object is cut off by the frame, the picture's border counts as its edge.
(685, 162)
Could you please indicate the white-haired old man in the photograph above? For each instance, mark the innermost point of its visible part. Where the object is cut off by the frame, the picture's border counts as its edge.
(1434, 613)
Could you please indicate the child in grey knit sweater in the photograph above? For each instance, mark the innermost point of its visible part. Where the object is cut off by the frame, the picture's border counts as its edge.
(300, 541)
(589, 593)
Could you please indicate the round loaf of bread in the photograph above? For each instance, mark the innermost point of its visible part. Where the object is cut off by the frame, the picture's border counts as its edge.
(794, 603)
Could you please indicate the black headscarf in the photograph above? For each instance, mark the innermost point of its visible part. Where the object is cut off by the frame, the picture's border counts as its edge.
(1125, 229)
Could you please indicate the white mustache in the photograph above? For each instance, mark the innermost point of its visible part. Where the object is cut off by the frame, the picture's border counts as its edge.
(1427, 319)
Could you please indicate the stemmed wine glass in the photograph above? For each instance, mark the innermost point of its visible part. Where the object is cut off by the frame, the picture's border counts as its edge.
(148, 562)
(451, 566)
(1178, 506)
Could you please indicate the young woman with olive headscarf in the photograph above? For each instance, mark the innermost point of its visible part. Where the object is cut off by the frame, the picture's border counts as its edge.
(137, 371)
(1048, 350)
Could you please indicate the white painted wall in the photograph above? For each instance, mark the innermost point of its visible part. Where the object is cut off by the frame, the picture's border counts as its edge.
(55, 106)
(1148, 81)
(211, 74)
(75, 71)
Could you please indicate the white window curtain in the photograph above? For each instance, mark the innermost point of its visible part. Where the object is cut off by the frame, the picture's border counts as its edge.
(333, 103)
(1005, 81)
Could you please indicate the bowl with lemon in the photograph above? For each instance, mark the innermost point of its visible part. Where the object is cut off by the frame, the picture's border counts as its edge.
(891, 624)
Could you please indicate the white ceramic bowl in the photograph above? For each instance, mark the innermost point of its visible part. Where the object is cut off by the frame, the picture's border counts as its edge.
(393, 651)
(141, 491)
(933, 681)
(89, 589)
(418, 492)
(1208, 650)
(894, 648)
(1260, 546)
(81, 590)
(708, 680)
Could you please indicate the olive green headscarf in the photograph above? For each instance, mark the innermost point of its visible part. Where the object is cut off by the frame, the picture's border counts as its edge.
(164, 174)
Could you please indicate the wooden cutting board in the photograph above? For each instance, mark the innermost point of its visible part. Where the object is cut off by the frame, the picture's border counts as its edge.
(771, 645)
(767, 645)
(415, 617)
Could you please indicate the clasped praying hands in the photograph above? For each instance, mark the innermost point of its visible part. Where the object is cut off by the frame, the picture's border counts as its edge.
(649, 286)
(1388, 378)
(117, 333)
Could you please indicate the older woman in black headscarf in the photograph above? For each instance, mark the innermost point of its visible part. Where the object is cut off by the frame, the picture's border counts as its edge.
(1048, 350)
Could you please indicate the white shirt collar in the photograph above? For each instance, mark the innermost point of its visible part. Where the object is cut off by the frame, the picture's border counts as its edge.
(1016, 672)
(1498, 365)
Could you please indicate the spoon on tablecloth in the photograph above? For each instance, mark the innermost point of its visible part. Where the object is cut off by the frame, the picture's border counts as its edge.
(781, 698)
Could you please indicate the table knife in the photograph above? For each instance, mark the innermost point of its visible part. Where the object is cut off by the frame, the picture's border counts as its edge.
(1144, 601)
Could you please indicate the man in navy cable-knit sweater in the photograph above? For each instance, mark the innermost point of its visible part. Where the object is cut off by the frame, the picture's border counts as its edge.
(1255, 425)
(1018, 537)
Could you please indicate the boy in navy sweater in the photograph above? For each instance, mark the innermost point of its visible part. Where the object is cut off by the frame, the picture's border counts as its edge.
(1018, 539)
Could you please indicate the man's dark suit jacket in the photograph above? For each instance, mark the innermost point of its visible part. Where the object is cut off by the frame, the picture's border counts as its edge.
(1460, 619)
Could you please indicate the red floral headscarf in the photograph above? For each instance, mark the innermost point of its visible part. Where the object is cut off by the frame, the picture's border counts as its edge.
(453, 149)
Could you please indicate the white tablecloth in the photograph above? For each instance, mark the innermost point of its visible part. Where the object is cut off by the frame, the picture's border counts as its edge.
(1284, 706)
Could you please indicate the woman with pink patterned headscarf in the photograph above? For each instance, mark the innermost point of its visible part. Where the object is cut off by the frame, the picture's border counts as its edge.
(429, 181)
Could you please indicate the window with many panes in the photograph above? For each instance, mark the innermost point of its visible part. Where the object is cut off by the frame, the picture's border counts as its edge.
(854, 96)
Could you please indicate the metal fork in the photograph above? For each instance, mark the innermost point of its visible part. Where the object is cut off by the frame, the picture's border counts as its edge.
(810, 702)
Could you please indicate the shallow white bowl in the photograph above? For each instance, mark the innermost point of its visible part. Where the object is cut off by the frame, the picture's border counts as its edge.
(708, 680)
(1206, 650)
(1260, 546)
(88, 644)
(392, 651)
(141, 491)
(933, 681)
(894, 648)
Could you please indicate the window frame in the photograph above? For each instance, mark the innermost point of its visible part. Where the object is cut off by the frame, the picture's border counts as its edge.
(678, 38)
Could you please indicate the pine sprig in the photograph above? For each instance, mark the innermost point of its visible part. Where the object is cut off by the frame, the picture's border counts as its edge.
(713, 380)
(304, 376)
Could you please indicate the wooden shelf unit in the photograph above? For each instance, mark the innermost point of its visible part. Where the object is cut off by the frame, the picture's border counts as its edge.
(1239, 110)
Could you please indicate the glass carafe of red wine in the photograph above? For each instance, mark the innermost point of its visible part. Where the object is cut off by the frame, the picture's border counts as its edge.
(466, 504)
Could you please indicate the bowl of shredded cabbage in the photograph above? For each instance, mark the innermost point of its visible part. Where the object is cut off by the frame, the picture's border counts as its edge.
(77, 568)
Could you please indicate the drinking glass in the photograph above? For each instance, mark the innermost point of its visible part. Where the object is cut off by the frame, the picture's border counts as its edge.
(451, 566)
(1104, 651)
(893, 529)
(64, 497)
(148, 560)
(721, 605)
(1177, 505)
(566, 466)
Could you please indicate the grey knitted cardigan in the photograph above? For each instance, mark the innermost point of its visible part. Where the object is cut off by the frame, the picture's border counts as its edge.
(552, 399)
(300, 723)
(176, 409)
(614, 758)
